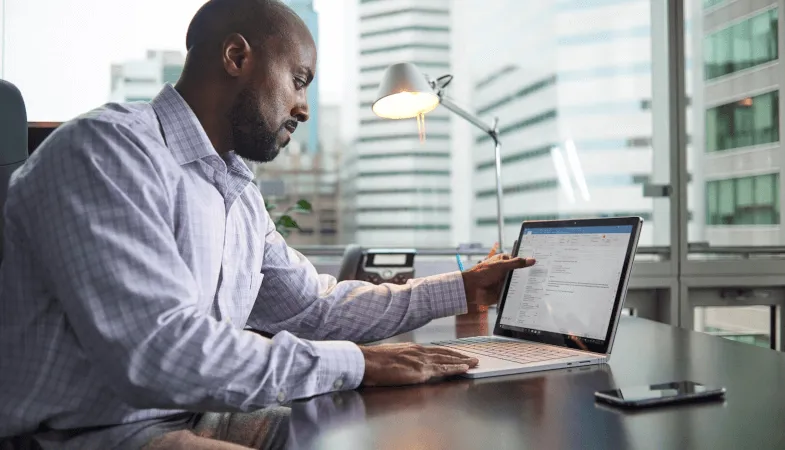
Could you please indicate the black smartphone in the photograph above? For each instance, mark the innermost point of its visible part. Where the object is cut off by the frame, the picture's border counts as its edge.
(659, 394)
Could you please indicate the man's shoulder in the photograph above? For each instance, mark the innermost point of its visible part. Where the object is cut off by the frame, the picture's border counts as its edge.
(131, 120)
(110, 134)
(114, 129)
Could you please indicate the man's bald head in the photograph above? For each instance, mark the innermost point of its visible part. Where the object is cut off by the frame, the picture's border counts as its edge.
(248, 67)
(255, 20)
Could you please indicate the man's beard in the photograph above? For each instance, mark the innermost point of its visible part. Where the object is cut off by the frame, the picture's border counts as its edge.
(253, 137)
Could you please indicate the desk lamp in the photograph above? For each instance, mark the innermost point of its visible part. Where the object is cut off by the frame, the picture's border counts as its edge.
(405, 93)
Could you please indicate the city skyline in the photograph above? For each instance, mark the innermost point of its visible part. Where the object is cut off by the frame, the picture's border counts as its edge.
(565, 113)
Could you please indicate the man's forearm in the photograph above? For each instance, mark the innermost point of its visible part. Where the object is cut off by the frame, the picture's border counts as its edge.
(362, 312)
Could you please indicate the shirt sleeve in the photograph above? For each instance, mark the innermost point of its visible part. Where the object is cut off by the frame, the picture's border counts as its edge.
(295, 298)
(99, 216)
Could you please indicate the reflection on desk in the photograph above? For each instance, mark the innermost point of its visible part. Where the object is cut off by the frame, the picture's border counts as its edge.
(436, 416)
(556, 409)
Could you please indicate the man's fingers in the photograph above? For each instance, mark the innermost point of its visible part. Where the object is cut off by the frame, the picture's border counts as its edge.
(449, 359)
(446, 370)
(516, 263)
(446, 351)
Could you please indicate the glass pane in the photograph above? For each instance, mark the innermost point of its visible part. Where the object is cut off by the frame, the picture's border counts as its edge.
(764, 118)
(764, 189)
(571, 82)
(712, 194)
(742, 48)
(742, 124)
(736, 45)
(747, 324)
(744, 192)
(726, 202)
(711, 57)
(735, 115)
(744, 202)
(724, 49)
(712, 131)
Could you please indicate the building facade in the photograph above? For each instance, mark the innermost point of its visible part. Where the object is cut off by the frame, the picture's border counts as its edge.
(572, 85)
(738, 112)
(141, 80)
(395, 187)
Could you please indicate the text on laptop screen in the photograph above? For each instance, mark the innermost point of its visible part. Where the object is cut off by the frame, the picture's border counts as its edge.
(572, 287)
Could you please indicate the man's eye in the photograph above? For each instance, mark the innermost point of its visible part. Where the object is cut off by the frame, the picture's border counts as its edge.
(299, 83)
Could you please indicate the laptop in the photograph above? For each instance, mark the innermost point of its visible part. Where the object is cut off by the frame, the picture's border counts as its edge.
(564, 310)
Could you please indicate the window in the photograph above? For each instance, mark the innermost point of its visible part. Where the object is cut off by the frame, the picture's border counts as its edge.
(743, 201)
(748, 324)
(554, 89)
(745, 122)
(748, 43)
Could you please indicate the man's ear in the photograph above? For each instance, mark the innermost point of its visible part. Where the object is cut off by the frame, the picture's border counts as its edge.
(236, 55)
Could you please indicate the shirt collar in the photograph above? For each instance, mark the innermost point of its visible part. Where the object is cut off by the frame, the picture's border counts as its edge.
(183, 133)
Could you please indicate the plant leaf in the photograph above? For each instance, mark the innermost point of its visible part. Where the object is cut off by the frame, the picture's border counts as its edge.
(287, 222)
(305, 206)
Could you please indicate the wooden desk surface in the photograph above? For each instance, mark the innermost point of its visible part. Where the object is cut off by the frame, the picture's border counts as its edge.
(556, 409)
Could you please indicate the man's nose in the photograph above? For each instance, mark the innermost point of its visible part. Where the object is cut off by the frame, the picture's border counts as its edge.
(300, 112)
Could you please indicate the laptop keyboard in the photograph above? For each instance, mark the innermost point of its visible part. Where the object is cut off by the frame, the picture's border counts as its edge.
(518, 352)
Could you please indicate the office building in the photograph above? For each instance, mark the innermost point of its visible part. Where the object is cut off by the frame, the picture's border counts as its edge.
(577, 128)
(738, 109)
(141, 80)
(397, 187)
(307, 134)
(737, 118)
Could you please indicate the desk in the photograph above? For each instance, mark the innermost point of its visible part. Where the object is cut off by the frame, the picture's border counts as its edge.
(556, 409)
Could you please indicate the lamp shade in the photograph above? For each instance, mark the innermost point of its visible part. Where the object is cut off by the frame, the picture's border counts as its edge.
(404, 93)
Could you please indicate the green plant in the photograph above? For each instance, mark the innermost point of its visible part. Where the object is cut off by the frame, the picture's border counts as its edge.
(284, 222)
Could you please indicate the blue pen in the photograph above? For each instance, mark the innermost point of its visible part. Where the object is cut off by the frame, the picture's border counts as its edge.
(460, 263)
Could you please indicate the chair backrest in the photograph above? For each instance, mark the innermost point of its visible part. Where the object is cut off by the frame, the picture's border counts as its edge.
(13, 141)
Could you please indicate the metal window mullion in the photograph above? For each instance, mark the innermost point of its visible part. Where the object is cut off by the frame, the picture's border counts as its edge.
(677, 111)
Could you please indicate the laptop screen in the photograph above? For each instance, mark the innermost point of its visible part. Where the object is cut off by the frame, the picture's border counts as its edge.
(572, 288)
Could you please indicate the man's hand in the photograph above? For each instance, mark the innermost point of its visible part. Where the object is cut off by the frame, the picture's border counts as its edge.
(483, 283)
(400, 364)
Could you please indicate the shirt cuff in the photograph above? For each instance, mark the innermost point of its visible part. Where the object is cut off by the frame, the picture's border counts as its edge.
(447, 294)
(341, 365)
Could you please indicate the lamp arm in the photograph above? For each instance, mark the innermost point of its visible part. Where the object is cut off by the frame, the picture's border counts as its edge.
(492, 131)
(450, 104)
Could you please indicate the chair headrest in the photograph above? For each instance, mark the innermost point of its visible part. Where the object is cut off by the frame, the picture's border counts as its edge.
(13, 125)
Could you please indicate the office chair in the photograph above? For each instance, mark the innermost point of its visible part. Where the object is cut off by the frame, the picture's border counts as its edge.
(13, 140)
(13, 153)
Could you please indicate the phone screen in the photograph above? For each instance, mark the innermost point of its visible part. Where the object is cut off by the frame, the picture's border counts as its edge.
(659, 393)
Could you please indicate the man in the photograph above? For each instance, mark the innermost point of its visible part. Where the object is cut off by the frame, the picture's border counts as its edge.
(138, 251)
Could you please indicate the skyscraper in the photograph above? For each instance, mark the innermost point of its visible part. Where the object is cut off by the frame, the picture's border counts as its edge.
(398, 189)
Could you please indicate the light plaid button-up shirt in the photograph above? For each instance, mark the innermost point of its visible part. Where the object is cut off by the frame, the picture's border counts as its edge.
(135, 256)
